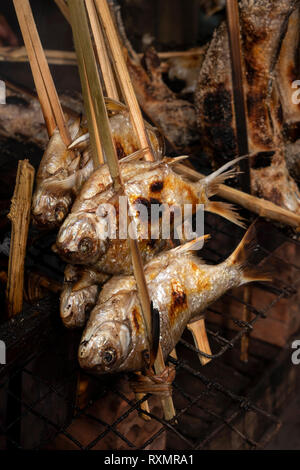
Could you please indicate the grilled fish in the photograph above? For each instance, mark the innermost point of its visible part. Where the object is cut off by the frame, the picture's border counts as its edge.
(79, 295)
(63, 170)
(181, 286)
(263, 29)
(80, 239)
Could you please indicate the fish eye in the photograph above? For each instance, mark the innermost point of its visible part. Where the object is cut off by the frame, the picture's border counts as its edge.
(60, 212)
(109, 356)
(85, 245)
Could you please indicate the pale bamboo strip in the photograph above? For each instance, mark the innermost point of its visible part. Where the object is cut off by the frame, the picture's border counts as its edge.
(38, 80)
(198, 331)
(98, 126)
(20, 219)
(123, 77)
(137, 120)
(103, 59)
(19, 54)
(40, 68)
(63, 8)
(57, 57)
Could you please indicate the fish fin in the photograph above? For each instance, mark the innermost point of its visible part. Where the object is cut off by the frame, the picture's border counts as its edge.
(114, 105)
(219, 176)
(61, 186)
(74, 127)
(192, 245)
(225, 210)
(134, 156)
(242, 255)
(74, 165)
(173, 161)
(80, 142)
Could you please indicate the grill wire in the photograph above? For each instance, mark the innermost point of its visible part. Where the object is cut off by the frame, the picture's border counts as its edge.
(195, 391)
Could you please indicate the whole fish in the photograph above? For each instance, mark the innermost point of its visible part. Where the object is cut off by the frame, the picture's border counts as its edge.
(81, 238)
(63, 170)
(181, 286)
(79, 295)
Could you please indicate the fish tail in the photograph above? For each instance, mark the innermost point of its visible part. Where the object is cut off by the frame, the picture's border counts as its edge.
(241, 258)
(218, 177)
(226, 210)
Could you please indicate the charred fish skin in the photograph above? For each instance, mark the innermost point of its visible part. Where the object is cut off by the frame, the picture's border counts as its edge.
(79, 295)
(263, 28)
(181, 286)
(82, 238)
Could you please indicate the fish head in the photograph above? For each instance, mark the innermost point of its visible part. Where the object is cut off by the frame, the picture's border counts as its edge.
(76, 306)
(80, 240)
(107, 344)
(49, 209)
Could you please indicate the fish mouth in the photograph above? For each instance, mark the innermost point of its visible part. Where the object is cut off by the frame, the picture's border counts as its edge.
(77, 241)
(106, 348)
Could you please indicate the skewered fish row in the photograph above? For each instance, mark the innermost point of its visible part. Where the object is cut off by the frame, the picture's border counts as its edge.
(84, 239)
(267, 91)
(62, 171)
(181, 286)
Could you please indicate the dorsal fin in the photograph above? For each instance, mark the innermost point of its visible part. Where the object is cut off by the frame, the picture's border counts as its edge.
(84, 138)
(138, 155)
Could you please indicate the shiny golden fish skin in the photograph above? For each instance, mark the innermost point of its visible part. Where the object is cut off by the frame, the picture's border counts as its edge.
(79, 295)
(80, 240)
(180, 285)
(63, 170)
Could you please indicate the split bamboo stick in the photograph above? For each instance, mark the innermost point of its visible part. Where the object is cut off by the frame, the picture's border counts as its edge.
(63, 8)
(198, 331)
(20, 219)
(138, 123)
(19, 54)
(91, 87)
(123, 77)
(47, 93)
(103, 59)
(111, 89)
(57, 57)
(233, 23)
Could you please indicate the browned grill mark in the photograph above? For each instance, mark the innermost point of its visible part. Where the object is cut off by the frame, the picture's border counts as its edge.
(136, 317)
(156, 186)
(120, 150)
(178, 301)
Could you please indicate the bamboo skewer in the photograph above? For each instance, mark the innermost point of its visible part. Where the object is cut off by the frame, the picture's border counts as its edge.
(20, 219)
(198, 331)
(57, 57)
(49, 100)
(137, 120)
(123, 77)
(63, 8)
(97, 123)
(233, 22)
(112, 92)
(81, 30)
(19, 54)
(103, 59)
